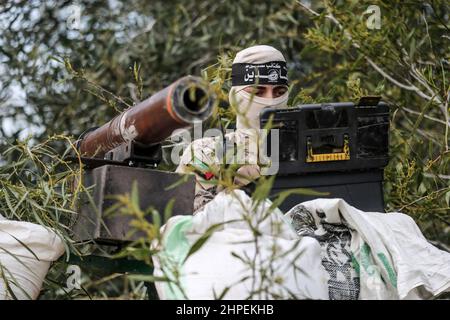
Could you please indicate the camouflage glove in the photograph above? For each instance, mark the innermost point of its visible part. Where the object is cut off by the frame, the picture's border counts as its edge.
(246, 174)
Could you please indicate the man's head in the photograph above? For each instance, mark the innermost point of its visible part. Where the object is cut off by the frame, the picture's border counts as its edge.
(259, 80)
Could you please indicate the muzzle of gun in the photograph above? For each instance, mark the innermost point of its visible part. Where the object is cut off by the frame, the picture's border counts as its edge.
(181, 104)
(127, 150)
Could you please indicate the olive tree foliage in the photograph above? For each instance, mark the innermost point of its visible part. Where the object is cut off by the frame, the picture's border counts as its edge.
(129, 49)
(398, 50)
(66, 66)
(69, 65)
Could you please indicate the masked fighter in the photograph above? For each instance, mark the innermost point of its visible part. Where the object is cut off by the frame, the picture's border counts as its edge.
(259, 80)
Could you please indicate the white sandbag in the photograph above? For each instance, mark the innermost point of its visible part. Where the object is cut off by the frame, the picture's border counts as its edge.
(292, 264)
(394, 259)
(26, 251)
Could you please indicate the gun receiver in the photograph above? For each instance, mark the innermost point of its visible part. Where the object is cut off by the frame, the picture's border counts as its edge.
(117, 154)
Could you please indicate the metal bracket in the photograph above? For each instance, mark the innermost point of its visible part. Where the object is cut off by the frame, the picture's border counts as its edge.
(369, 101)
(136, 154)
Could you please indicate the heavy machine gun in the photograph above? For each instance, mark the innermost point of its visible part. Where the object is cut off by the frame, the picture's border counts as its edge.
(128, 149)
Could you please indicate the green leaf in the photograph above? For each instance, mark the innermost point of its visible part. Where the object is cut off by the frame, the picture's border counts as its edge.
(169, 209)
(197, 245)
(447, 198)
(147, 278)
(281, 196)
(135, 196)
(183, 179)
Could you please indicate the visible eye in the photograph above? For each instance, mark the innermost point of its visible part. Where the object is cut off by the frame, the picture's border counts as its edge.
(279, 91)
(258, 91)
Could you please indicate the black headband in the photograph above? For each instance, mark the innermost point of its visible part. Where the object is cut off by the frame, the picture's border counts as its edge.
(274, 72)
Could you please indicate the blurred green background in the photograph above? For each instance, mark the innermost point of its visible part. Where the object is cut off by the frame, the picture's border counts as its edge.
(66, 66)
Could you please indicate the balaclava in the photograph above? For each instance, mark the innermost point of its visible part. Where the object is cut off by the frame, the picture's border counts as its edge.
(256, 65)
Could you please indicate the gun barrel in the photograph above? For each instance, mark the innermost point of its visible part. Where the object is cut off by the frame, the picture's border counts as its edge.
(179, 105)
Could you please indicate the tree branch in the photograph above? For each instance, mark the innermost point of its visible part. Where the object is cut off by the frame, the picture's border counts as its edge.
(433, 97)
(425, 116)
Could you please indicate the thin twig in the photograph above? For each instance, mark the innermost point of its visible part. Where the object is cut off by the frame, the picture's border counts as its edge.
(410, 87)
(424, 197)
(425, 116)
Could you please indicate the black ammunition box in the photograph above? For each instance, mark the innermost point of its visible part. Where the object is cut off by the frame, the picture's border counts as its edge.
(340, 148)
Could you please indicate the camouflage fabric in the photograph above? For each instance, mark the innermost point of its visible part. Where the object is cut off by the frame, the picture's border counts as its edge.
(200, 157)
(335, 240)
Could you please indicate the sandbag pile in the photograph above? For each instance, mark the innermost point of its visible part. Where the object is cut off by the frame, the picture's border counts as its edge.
(321, 249)
(284, 265)
(26, 252)
(389, 254)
